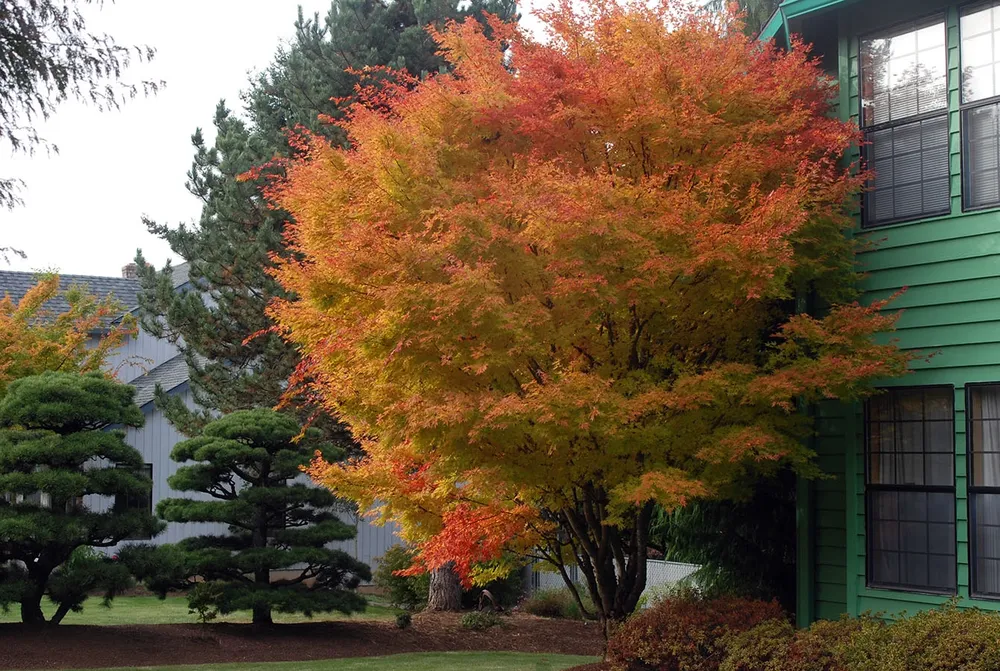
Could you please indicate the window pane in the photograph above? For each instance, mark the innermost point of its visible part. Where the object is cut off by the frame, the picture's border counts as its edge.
(903, 74)
(910, 436)
(981, 137)
(911, 167)
(912, 540)
(986, 563)
(980, 32)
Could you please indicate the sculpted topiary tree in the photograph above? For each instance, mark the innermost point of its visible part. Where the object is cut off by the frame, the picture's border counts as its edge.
(558, 285)
(61, 441)
(248, 462)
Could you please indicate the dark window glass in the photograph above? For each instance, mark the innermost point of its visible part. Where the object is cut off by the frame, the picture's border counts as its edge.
(911, 489)
(984, 487)
(143, 502)
(904, 110)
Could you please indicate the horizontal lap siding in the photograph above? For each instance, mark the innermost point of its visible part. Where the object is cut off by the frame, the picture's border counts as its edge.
(829, 566)
(948, 270)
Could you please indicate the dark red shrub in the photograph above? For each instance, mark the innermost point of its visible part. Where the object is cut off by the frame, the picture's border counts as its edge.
(685, 634)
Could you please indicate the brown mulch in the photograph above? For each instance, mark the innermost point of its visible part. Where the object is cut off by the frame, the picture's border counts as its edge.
(79, 646)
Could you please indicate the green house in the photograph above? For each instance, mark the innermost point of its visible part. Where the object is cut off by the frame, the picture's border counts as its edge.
(911, 517)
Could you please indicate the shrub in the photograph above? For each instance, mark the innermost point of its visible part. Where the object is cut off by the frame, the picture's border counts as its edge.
(685, 634)
(776, 646)
(408, 592)
(946, 639)
(403, 620)
(480, 620)
(555, 602)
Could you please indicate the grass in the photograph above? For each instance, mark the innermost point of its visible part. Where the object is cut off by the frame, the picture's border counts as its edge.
(174, 610)
(424, 661)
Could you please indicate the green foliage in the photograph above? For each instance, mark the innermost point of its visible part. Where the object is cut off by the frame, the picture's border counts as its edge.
(409, 592)
(555, 602)
(685, 633)
(745, 545)
(480, 620)
(57, 447)
(404, 620)
(247, 462)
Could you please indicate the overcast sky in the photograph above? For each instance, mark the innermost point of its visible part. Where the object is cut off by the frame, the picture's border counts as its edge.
(83, 207)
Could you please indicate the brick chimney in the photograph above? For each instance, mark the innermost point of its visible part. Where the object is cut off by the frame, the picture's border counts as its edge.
(130, 271)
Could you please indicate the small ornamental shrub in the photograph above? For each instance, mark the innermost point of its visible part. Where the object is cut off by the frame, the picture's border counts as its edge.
(555, 602)
(685, 634)
(480, 620)
(403, 620)
(946, 639)
(407, 592)
(776, 646)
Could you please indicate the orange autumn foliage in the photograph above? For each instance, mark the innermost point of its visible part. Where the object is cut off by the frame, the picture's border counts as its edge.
(554, 286)
(33, 339)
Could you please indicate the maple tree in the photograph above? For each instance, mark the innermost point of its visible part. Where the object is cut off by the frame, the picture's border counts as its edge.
(78, 339)
(565, 282)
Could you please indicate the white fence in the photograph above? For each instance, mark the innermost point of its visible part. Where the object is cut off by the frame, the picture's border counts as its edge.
(658, 573)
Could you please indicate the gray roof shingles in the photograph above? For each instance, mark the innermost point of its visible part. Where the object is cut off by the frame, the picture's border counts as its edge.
(169, 374)
(125, 291)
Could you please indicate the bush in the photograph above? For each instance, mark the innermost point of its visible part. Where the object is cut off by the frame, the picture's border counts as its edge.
(407, 592)
(403, 620)
(556, 602)
(480, 620)
(685, 634)
(946, 639)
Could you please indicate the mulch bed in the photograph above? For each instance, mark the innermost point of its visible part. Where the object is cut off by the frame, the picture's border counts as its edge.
(78, 646)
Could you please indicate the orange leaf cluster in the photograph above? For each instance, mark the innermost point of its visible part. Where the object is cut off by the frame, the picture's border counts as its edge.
(569, 267)
(34, 340)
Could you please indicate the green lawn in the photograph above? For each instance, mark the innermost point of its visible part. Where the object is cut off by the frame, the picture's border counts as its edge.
(425, 661)
(174, 610)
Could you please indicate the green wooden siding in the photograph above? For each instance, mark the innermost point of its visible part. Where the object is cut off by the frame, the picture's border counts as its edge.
(950, 268)
(829, 505)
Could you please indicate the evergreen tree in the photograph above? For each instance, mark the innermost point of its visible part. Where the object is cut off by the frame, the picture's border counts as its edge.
(248, 462)
(230, 250)
(57, 447)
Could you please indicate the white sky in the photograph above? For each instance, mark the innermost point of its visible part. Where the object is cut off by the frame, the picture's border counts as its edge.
(83, 207)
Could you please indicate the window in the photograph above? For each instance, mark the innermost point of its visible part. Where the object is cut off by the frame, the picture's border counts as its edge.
(910, 489)
(980, 38)
(983, 408)
(904, 113)
(143, 502)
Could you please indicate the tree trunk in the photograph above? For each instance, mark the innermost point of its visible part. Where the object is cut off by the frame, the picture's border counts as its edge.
(611, 558)
(262, 576)
(446, 590)
(31, 600)
(262, 616)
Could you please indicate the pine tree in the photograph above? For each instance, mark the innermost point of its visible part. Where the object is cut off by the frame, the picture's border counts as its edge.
(230, 250)
(248, 462)
(57, 447)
